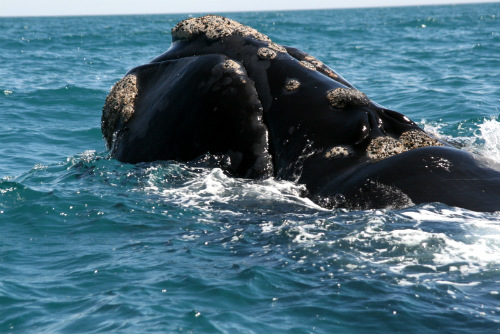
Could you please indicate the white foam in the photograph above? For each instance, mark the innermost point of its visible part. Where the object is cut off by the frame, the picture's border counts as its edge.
(211, 186)
(490, 133)
(306, 234)
(484, 139)
(433, 129)
(431, 244)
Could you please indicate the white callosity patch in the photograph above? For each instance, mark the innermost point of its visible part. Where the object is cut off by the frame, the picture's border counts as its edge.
(216, 27)
(119, 106)
(307, 65)
(230, 65)
(213, 27)
(276, 47)
(266, 53)
(317, 63)
(385, 147)
(314, 64)
(416, 139)
(292, 84)
(342, 97)
(338, 152)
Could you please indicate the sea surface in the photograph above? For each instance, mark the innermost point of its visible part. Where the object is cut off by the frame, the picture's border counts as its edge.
(92, 245)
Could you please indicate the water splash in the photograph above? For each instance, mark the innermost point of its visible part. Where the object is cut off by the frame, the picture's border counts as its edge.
(211, 188)
(479, 137)
(489, 132)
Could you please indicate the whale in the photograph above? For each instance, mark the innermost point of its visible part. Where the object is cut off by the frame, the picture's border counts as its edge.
(226, 94)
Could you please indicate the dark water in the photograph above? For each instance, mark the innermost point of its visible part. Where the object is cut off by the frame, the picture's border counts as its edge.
(91, 245)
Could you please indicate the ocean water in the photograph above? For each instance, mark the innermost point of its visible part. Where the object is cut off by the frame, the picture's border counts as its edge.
(92, 245)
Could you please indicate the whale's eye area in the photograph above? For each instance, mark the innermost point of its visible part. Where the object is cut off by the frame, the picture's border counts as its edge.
(364, 130)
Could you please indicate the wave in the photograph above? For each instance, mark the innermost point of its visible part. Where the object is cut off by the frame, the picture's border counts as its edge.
(478, 136)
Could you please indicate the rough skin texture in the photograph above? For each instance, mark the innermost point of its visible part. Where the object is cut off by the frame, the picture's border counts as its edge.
(292, 85)
(342, 97)
(213, 27)
(385, 147)
(119, 106)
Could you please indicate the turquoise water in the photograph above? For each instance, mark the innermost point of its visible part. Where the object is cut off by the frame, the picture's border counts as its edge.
(91, 245)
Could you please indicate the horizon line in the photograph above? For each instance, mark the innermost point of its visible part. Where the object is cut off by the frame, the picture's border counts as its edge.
(250, 11)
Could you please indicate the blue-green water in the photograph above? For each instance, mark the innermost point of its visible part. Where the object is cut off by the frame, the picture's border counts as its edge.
(91, 245)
